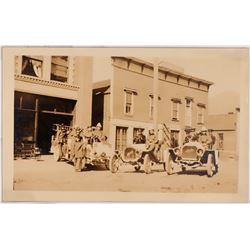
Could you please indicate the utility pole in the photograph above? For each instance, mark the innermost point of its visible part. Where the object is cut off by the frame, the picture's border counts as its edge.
(155, 96)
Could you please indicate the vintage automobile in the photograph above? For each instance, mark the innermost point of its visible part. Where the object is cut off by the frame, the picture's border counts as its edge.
(192, 156)
(98, 154)
(138, 157)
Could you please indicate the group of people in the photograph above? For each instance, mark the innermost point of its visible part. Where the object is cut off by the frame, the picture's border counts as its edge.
(73, 142)
(204, 136)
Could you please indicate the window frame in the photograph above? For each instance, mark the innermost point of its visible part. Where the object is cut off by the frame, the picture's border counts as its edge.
(131, 113)
(56, 64)
(202, 108)
(177, 102)
(32, 58)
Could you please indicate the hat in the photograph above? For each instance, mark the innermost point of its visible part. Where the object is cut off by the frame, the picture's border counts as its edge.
(203, 129)
(99, 125)
(151, 131)
(189, 129)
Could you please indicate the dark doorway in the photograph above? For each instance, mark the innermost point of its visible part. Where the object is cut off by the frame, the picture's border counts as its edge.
(45, 131)
(97, 109)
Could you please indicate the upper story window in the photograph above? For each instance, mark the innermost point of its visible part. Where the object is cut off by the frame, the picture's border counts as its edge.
(175, 109)
(129, 102)
(59, 68)
(32, 66)
(201, 113)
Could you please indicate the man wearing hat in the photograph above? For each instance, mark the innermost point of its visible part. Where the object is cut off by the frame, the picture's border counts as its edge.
(97, 133)
(139, 138)
(189, 135)
(212, 139)
(88, 134)
(79, 150)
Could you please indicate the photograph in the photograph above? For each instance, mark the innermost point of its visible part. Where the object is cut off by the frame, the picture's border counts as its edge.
(125, 124)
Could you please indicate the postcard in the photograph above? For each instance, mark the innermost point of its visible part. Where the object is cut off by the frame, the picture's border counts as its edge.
(125, 124)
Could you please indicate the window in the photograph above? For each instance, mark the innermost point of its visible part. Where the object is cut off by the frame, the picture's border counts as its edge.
(138, 136)
(121, 138)
(59, 68)
(201, 113)
(32, 66)
(129, 98)
(175, 109)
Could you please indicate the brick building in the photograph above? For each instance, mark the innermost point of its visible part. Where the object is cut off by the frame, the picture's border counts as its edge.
(48, 90)
(126, 101)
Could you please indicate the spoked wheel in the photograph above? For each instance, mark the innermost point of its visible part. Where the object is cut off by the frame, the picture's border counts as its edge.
(210, 165)
(147, 164)
(114, 164)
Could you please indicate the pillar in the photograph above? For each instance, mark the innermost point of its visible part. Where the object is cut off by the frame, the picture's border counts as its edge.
(84, 80)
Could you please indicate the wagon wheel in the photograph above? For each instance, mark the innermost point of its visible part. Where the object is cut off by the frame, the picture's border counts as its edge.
(114, 164)
(169, 166)
(210, 165)
(147, 164)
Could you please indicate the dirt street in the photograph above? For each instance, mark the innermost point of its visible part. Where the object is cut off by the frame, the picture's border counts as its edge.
(49, 175)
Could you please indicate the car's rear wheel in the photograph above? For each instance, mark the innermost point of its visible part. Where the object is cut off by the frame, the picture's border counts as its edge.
(114, 164)
(210, 165)
(147, 164)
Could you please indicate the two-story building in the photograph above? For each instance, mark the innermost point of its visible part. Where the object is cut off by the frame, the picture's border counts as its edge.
(49, 90)
(126, 101)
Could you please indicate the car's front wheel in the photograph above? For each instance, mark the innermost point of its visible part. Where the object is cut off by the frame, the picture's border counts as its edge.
(147, 164)
(114, 164)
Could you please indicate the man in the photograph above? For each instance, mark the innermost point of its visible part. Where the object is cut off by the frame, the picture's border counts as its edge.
(97, 133)
(212, 139)
(189, 135)
(203, 138)
(79, 150)
(139, 138)
(88, 134)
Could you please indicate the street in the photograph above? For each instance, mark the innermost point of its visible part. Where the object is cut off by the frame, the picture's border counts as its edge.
(48, 175)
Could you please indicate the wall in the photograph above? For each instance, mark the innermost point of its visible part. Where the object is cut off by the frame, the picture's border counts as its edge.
(143, 85)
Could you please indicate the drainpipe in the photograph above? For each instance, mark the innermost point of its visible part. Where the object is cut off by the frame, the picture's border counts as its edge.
(155, 96)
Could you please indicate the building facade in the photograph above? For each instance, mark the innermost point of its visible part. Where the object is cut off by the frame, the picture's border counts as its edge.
(182, 101)
(226, 130)
(50, 90)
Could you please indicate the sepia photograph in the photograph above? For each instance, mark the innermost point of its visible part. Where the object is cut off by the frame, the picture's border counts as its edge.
(125, 124)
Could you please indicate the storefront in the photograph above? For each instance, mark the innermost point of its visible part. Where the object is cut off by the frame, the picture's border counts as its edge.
(35, 114)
